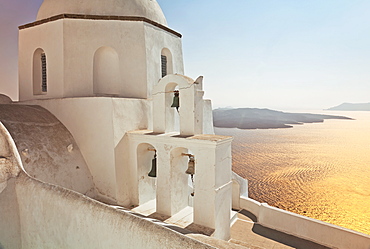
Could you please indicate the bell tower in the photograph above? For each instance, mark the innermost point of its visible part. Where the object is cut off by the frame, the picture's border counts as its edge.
(191, 169)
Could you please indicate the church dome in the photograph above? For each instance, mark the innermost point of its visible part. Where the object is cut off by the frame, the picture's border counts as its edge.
(143, 8)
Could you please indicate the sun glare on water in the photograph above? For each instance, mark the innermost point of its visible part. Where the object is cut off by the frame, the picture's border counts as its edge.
(318, 170)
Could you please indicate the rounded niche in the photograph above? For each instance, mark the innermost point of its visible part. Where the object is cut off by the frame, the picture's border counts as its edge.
(143, 8)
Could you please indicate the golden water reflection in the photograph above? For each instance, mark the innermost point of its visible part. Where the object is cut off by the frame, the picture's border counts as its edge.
(318, 170)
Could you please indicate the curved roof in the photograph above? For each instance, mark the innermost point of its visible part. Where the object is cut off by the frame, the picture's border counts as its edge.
(144, 8)
(4, 99)
(48, 150)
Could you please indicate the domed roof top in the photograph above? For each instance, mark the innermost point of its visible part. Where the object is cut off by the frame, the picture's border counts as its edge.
(144, 8)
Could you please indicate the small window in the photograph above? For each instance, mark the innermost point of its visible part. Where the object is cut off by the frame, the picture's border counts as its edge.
(44, 75)
(39, 72)
(164, 65)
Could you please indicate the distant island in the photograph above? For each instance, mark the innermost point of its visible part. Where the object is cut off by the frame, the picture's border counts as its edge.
(254, 118)
(351, 107)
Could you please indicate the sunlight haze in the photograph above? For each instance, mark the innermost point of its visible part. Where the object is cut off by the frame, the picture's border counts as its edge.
(267, 54)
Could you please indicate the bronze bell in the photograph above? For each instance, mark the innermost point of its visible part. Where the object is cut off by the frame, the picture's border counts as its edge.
(153, 171)
(191, 166)
(176, 100)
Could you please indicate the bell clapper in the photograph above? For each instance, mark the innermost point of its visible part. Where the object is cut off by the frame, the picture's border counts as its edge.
(192, 181)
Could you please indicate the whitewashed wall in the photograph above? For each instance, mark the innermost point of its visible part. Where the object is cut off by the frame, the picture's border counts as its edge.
(40, 215)
(82, 38)
(50, 39)
(98, 126)
(212, 178)
(155, 41)
(304, 227)
(53, 217)
(10, 230)
(72, 57)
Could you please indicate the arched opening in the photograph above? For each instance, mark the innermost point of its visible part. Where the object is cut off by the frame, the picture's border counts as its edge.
(147, 185)
(182, 190)
(171, 113)
(164, 116)
(39, 71)
(106, 75)
(166, 62)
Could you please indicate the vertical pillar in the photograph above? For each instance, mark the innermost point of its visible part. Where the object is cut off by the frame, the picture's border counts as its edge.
(198, 112)
(187, 111)
(124, 165)
(159, 118)
(163, 181)
(131, 175)
(204, 194)
(172, 182)
(179, 180)
(213, 188)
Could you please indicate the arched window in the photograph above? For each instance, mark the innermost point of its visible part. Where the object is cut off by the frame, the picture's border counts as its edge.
(106, 72)
(39, 72)
(166, 62)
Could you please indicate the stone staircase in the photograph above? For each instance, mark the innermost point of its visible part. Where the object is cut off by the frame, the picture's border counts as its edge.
(245, 231)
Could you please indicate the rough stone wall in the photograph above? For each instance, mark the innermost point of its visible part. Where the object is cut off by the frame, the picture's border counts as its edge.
(48, 151)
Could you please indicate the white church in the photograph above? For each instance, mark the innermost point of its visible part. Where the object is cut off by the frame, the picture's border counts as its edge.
(111, 146)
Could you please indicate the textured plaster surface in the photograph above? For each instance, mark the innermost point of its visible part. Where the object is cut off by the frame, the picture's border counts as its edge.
(143, 8)
(98, 126)
(10, 231)
(71, 220)
(4, 99)
(10, 167)
(48, 151)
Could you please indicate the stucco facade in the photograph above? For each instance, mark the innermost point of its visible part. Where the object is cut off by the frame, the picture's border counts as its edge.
(94, 56)
(35, 214)
(48, 150)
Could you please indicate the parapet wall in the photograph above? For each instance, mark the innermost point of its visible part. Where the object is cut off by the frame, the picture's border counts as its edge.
(10, 234)
(307, 228)
(34, 214)
(53, 217)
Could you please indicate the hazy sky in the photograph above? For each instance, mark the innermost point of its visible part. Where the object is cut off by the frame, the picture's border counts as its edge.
(280, 54)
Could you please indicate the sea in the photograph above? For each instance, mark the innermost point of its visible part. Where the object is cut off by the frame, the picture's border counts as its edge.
(319, 170)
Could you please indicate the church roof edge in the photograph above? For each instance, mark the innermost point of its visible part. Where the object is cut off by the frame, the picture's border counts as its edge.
(99, 17)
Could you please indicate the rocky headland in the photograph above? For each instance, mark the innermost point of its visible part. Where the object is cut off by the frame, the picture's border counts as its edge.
(254, 118)
(351, 107)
